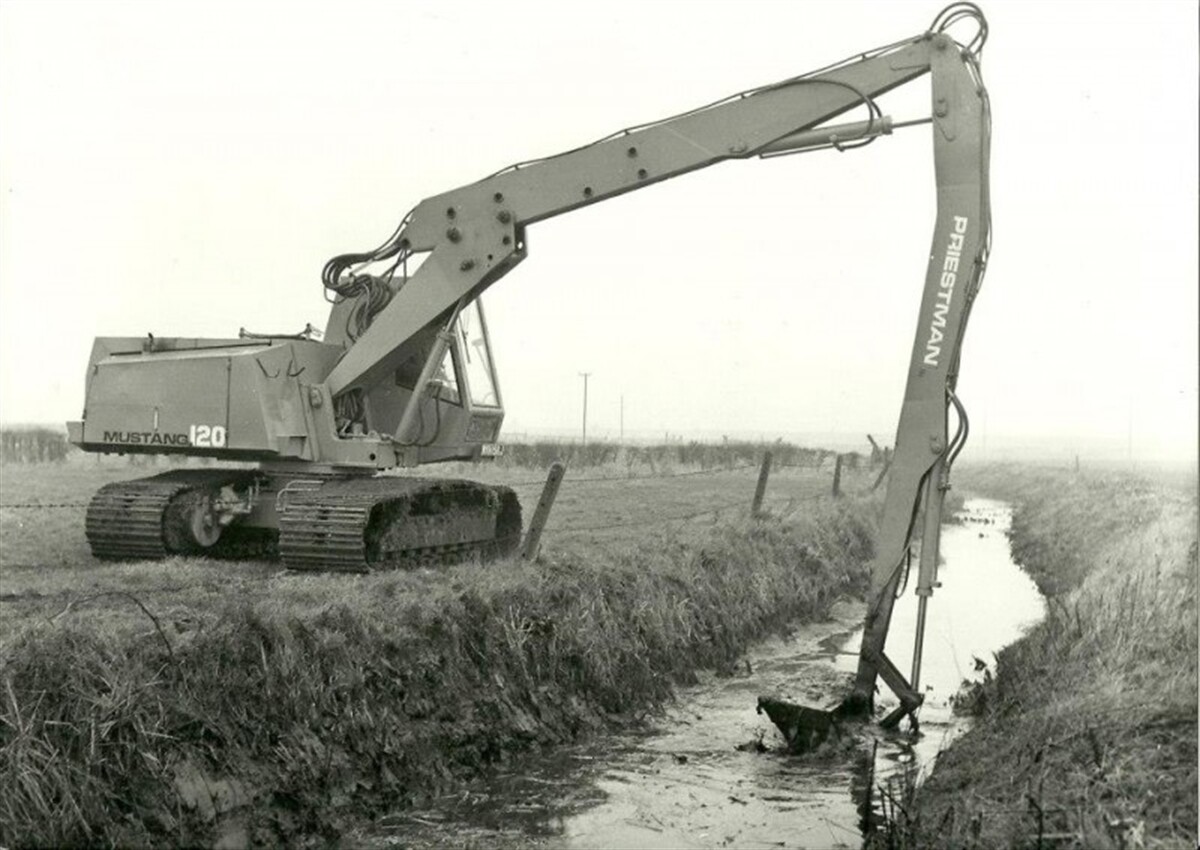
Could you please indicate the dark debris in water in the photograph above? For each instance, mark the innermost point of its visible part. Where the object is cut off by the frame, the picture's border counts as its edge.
(802, 727)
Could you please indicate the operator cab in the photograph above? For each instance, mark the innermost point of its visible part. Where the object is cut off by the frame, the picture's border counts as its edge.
(461, 406)
(468, 363)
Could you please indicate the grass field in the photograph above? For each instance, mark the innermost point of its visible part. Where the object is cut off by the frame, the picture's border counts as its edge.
(141, 700)
(608, 510)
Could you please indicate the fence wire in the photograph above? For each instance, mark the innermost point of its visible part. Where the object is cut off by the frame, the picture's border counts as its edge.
(31, 505)
(715, 509)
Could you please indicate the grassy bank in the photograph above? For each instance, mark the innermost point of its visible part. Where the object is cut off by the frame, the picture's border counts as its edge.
(322, 698)
(1086, 736)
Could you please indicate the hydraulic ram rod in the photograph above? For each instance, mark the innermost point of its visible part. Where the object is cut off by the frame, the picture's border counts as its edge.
(823, 137)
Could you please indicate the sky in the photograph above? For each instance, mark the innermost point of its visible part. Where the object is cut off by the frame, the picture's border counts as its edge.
(187, 168)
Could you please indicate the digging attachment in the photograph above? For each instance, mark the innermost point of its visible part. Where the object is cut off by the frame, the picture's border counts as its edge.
(803, 728)
(387, 523)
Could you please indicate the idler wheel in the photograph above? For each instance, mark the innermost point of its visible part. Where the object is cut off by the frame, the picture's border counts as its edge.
(191, 525)
(206, 531)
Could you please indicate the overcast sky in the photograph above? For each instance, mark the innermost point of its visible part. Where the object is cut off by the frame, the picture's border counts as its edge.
(187, 169)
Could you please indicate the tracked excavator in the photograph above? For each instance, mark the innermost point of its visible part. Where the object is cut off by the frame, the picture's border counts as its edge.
(403, 374)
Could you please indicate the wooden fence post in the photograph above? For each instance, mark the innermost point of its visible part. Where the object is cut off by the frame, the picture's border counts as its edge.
(887, 464)
(837, 476)
(533, 539)
(761, 489)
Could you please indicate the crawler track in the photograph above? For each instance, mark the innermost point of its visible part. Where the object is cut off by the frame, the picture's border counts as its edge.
(348, 525)
(389, 523)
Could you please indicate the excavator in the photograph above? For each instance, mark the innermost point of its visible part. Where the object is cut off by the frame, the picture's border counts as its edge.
(403, 374)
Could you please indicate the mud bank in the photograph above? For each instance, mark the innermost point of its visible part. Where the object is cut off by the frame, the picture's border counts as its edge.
(295, 715)
(1086, 734)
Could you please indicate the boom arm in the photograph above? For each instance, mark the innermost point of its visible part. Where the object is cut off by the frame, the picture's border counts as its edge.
(476, 234)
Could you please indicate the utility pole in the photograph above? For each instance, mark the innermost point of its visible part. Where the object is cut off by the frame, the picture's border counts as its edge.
(585, 376)
(622, 418)
(1129, 435)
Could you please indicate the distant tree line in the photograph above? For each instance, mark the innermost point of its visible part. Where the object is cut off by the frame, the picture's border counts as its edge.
(32, 445)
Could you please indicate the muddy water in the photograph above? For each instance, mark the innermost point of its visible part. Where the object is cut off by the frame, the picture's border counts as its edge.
(710, 772)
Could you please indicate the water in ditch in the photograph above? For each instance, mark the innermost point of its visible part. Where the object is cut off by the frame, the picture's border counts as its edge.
(710, 772)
